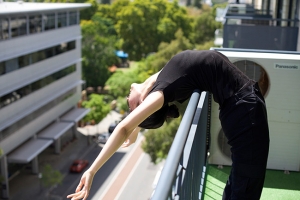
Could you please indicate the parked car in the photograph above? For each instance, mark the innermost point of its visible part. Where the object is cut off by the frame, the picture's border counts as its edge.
(112, 126)
(78, 165)
(103, 137)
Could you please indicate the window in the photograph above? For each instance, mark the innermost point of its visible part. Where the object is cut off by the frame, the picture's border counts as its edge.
(4, 29)
(35, 24)
(26, 90)
(26, 60)
(2, 68)
(18, 26)
(22, 122)
(61, 19)
(73, 18)
(49, 20)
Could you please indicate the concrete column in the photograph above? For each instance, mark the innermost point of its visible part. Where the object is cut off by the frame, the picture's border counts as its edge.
(57, 146)
(4, 177)
(35, 165)
(74, 130)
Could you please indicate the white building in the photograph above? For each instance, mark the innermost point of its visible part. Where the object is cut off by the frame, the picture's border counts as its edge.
(40, 81)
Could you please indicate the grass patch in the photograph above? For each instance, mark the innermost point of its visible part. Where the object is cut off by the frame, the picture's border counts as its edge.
(277, 186)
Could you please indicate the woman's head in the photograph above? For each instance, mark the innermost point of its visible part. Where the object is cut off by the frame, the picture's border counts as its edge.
(158, 118)
(155, 120)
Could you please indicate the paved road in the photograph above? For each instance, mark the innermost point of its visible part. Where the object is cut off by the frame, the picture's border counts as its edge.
(132, 178)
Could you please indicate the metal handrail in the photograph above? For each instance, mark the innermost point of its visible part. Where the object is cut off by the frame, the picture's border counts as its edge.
(169, 186)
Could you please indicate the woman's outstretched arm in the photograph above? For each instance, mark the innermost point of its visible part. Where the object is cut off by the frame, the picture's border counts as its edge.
(152, 103)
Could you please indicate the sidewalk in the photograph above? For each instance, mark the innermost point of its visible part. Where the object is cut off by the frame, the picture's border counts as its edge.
(27, 186)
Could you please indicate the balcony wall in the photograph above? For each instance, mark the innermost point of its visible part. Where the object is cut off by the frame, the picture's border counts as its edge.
(260, 37)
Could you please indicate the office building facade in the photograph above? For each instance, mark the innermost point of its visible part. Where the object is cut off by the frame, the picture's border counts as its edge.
(40, 81)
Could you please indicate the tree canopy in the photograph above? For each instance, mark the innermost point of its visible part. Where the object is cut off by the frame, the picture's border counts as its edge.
(98, 108)
(144, 24)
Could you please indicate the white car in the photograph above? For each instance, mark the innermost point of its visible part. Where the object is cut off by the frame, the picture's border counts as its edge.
(103, 137)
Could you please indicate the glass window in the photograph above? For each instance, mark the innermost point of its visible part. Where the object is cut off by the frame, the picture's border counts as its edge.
(71, 45)
(22, 122)
(26, 90)
(24, 61)
(22, 25)
(62, 19)
(49, 52)
(73, 18)
(28, 59)
(2, 68)
(11, 65)
(14, 26)
(4, 29)
(35, 24)
(49, 20)
(18, 26)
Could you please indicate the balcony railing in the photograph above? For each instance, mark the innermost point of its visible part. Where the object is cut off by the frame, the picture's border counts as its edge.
(184, 172)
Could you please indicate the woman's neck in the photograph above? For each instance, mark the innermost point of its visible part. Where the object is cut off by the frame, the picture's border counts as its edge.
(147, 86)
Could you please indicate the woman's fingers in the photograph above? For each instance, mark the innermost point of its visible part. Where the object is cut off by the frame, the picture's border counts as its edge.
(79, 187)
(77, 195)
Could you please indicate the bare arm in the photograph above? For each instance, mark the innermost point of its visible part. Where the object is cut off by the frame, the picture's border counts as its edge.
(152, 103)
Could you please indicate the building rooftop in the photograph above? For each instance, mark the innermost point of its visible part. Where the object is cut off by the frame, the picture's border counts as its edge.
(27, 7)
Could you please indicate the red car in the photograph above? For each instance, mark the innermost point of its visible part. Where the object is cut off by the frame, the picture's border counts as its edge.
(78, 165)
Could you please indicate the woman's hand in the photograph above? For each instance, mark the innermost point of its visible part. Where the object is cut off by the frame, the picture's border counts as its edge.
(83, 189)
(132, 138)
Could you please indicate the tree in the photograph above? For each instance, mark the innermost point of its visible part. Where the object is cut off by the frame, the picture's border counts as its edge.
(166, 51)
(157, 142)
(144, 24)
(51, 177)
(98, 108)
(119, 83)
(97, 51)
(88, 13)
(205, 26)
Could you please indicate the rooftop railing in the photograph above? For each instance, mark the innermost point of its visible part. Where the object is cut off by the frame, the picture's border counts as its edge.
(184, 172)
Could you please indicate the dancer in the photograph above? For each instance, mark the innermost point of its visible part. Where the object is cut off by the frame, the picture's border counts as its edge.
(243, 117)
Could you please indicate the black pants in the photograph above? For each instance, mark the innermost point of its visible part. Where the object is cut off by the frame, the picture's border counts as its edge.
(244, 121)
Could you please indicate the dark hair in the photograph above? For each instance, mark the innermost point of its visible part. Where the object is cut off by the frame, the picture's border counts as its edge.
(158, 118)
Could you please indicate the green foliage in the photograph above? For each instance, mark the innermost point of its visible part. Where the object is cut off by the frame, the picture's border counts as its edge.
(87, 13)
(205, 26)
(122, 104)
(144, 24)
(166, 51)
(119, 83)
(205, 46)
(158, 141)
(50, 176)
(98, 108)
(97, 51)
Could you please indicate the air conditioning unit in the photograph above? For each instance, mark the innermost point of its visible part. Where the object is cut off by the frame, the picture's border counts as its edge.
(278, 75)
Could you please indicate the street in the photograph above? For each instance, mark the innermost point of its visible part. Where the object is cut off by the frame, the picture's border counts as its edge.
(130, 168)
(128, 174)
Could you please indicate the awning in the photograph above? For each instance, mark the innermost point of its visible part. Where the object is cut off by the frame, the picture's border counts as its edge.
(75, 115)
(55, 130)
(28, 151)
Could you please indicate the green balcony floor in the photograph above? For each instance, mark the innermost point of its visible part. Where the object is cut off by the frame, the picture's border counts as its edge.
(277, 186)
